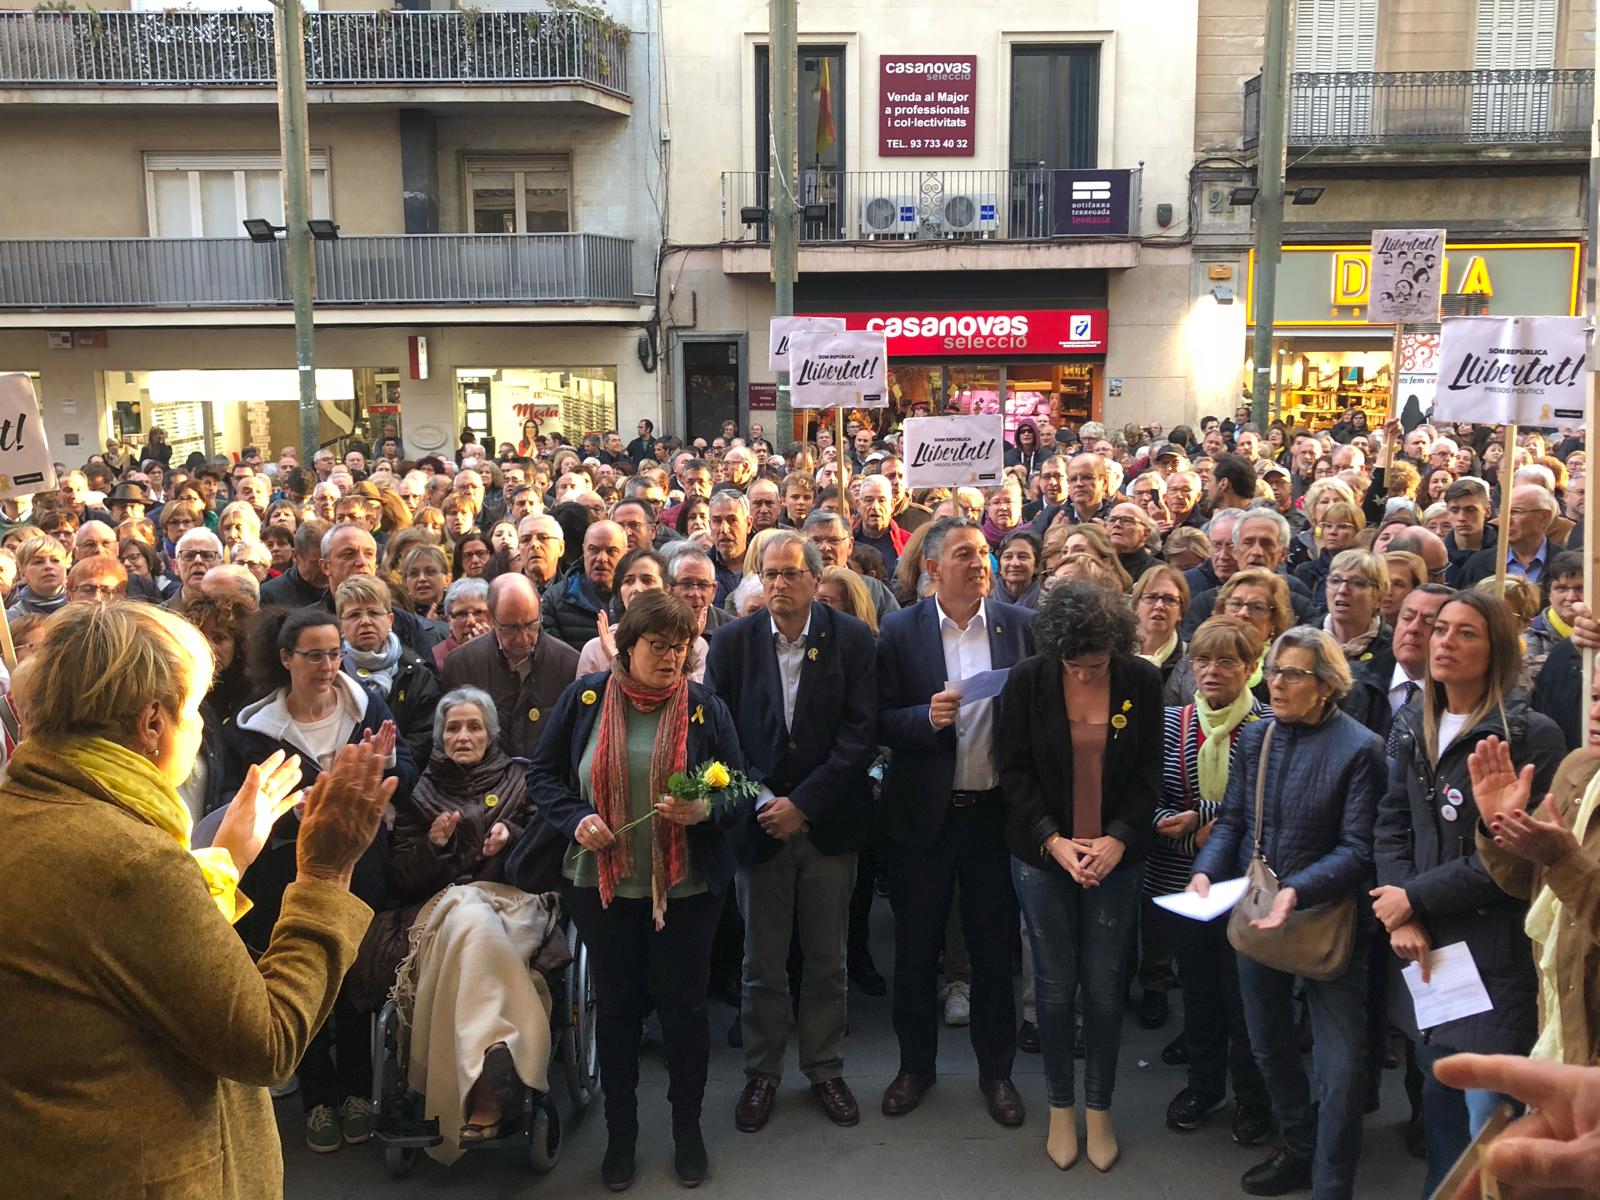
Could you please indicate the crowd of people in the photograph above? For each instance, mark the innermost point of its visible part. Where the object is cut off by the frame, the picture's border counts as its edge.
(394, 720)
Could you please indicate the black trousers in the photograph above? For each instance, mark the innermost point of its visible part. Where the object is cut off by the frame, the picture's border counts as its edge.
(970, 849)
(338, 1060)
(634, 966)
(867, 860)
(1213, 1014)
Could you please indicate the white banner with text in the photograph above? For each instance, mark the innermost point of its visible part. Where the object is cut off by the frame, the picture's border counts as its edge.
(783, 328)
(1499, 370)
(1407, 276)
(955, 451)
(25, 464)
(833, 370)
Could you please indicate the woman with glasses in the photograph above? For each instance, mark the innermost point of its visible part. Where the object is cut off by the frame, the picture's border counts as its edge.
(466, 614)
(1085, 712)
(309, 710)
(1160, 598)
(1314, 504)
(1259, 598)
(376, 659)
(1199, 739)
(424, 576)
(1355, 586)
(1324, 774)
(1334, 533)
(646, 902)
(1433, 890)
(472, 555)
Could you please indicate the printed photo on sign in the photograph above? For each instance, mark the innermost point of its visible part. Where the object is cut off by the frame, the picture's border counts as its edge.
(25, 462)
(1499, 370)
(955, 451)
(1407, 268)
(828, 370)
(782, 328)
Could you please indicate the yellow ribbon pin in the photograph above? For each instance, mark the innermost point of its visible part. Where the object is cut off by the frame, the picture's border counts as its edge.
(812, 655)
(1119, 722)
(533, 714)
(699, 717)
(1127, 706)
(491, 800)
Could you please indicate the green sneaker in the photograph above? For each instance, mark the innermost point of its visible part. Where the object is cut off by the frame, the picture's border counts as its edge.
(355, 1119)
(322, 1130)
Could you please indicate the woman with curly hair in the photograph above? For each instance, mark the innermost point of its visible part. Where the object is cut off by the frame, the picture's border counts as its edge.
(1085, 712)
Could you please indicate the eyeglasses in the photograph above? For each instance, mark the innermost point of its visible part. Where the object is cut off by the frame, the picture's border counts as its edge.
(1525, 512)
(1226, 663)
(469, 614)
(694, 585)
(541, 537)
(788, 575)
(1340, 527)
(93, 591)
(666, 649)
(828, 541)
(521, 629)
(364, 614)
(206, 556)
(1256, 608)
(1162, 598)
(1119, 521)
(1354, 583)
(318, 658)
(1289, 674)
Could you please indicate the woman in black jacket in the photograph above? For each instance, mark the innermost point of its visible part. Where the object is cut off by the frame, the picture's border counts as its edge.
(376, 658)
(1433, 890)
(646, 904)
(1085, 712)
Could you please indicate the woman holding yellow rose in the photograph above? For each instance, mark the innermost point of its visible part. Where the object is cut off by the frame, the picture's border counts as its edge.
(646, 903)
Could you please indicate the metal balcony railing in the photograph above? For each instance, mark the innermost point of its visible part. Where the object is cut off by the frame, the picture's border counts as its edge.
(909, 205)
(1388, 108)
(198, 273)
(88, 49)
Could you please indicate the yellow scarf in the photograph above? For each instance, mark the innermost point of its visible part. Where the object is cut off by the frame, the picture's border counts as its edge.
(133, 782)
(1542, 926)
(1161, 655)
(1218, 725)
(1561, 628)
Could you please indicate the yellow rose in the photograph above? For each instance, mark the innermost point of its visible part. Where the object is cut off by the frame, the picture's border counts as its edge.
(717, 776)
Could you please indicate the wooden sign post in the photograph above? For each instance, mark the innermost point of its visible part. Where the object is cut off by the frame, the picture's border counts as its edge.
(838, 440)
(1508, 469)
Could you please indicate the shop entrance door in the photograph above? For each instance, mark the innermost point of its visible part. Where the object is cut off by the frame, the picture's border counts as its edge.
(710, 386)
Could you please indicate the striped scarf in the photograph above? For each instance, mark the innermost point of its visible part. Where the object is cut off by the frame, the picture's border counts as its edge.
(669, 858)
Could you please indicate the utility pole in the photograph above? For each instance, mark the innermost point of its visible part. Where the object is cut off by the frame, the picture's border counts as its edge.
(783, 206)
(1270, 152)
(300, 261)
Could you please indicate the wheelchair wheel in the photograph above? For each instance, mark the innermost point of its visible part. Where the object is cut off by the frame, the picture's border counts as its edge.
(399, 1160)
(579, 1054)
(544, 1134)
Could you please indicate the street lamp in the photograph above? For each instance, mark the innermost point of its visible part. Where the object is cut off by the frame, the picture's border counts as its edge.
(1243, 196)
(323, 230)
(262, 230)
(1306, 195)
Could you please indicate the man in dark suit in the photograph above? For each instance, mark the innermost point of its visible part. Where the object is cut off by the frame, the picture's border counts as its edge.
(945, 815)
(801, 683)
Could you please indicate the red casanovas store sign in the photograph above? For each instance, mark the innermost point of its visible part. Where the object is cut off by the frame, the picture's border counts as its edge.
(979, 333)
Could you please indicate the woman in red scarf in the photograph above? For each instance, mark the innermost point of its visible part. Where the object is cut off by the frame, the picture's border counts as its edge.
(646, 903)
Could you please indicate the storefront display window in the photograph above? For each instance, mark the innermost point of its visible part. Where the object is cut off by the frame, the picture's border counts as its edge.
(572, 401)
(1317, 386)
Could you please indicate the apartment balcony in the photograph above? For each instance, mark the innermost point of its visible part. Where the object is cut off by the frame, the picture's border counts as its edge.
(389, 56)
(1405, 115)
(412, 271)
(952, 219)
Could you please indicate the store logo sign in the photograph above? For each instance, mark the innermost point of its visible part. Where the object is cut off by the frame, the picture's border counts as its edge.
(1080, 328)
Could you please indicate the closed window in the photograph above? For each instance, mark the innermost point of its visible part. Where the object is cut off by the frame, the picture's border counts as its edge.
(1055, 107)
(520, 195)
(212, 195)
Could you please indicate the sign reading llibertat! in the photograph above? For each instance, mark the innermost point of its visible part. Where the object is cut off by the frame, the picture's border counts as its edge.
(25, 463)
(955, 451)
(781, 329)
(829, 370)
(1407, 274)
(1500, 370)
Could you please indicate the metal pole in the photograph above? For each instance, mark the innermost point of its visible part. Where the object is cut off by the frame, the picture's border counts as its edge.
(782, 198)
(300, 261)
(1591, 420)
(1269, 201)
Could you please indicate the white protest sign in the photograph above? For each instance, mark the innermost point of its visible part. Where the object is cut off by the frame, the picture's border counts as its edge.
(783, 328)
(955, 451)
(1504, 370)
(1418, 378)
(1407, 272)
(25, 464)
(834, 370)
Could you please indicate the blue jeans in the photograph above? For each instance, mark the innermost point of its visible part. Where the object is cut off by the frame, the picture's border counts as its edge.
(1326, 1131)
(1079, 936)
(1450, 1118)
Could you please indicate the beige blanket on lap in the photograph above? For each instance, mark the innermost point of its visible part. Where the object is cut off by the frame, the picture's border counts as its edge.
(466, 985)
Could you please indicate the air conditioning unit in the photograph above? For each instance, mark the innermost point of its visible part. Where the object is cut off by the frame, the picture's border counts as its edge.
(969, 212)
(888, 215)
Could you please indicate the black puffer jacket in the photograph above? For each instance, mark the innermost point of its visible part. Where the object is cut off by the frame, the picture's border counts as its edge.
(1434, 858)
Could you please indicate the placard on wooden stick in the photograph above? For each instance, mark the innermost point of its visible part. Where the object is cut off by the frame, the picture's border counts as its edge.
(25, 463)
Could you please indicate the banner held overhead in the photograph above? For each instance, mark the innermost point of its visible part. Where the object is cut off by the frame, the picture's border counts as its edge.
(955, 451)
(838, 370)
(1513, 371)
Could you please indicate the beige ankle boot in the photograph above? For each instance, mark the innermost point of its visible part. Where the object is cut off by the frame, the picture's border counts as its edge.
(1102, 1138)
(1061, 1144)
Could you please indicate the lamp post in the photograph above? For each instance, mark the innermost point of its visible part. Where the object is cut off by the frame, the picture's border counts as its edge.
(300, 262)
(1269, 201)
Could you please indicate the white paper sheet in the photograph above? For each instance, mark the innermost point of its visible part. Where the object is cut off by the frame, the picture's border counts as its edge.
(985, 685)
(1454, 988)
(1219, 899)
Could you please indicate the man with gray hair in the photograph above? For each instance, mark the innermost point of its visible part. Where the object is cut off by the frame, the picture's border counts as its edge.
(1533, 508)
(796, 846)
(693, 579)
(830, 533)
(196, 553)
(730, 537)
(350, 550)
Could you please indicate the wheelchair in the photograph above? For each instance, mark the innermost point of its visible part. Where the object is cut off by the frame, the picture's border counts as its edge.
(399, 1126)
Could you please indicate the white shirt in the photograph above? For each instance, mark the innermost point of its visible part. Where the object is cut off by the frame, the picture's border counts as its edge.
(966, 653)
(791, 657)
(1450, 727)
(1397, 688)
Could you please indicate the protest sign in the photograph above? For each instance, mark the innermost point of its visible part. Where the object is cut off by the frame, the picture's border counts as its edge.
(783, 328)
(1407, 267)
(955, 451)
(838, 370)
(25, 464)
(1513, 370)
(1418, 375)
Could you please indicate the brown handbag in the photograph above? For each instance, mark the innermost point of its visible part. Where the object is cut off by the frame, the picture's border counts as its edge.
(1314, 943)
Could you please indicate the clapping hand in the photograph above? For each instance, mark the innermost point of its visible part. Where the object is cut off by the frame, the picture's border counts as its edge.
(382, 740)
(444, 828)
(266, 794)
(1497, 787)
(1542, 842)
(607, 636)
(343, 810)
(499, 835)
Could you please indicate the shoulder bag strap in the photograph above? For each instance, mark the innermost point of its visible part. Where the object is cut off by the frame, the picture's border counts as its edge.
(1186, 726)
(1261, 783)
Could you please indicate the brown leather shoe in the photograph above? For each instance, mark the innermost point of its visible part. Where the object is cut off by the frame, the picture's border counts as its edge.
(1005, 1103)
(755, 1104)
(837, 1101)
(905, 1093)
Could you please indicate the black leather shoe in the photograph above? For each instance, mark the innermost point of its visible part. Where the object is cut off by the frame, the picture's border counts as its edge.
(689, 1155)
(1278, 1176)
(1176, 1052)
(1251, 1127)
(755, 1104)
(905, 1093)
(1153, 1010)
(1189, 1109)
(864, 974)
(617, 1169)
(1028, 1038)
(1005, 1102)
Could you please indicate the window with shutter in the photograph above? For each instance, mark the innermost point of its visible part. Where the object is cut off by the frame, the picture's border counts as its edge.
(1333, 36)
(211, 195)
(1513, 36)
(530, 194)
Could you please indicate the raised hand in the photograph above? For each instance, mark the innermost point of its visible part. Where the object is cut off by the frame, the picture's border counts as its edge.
(1497, 787)
(343, 810)
(266, 794)
(1282, 910)
(1544, 842)
(444, 828)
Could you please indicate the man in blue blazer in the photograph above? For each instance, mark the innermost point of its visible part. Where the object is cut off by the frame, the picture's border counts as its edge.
(801, 682)
(944, 813)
